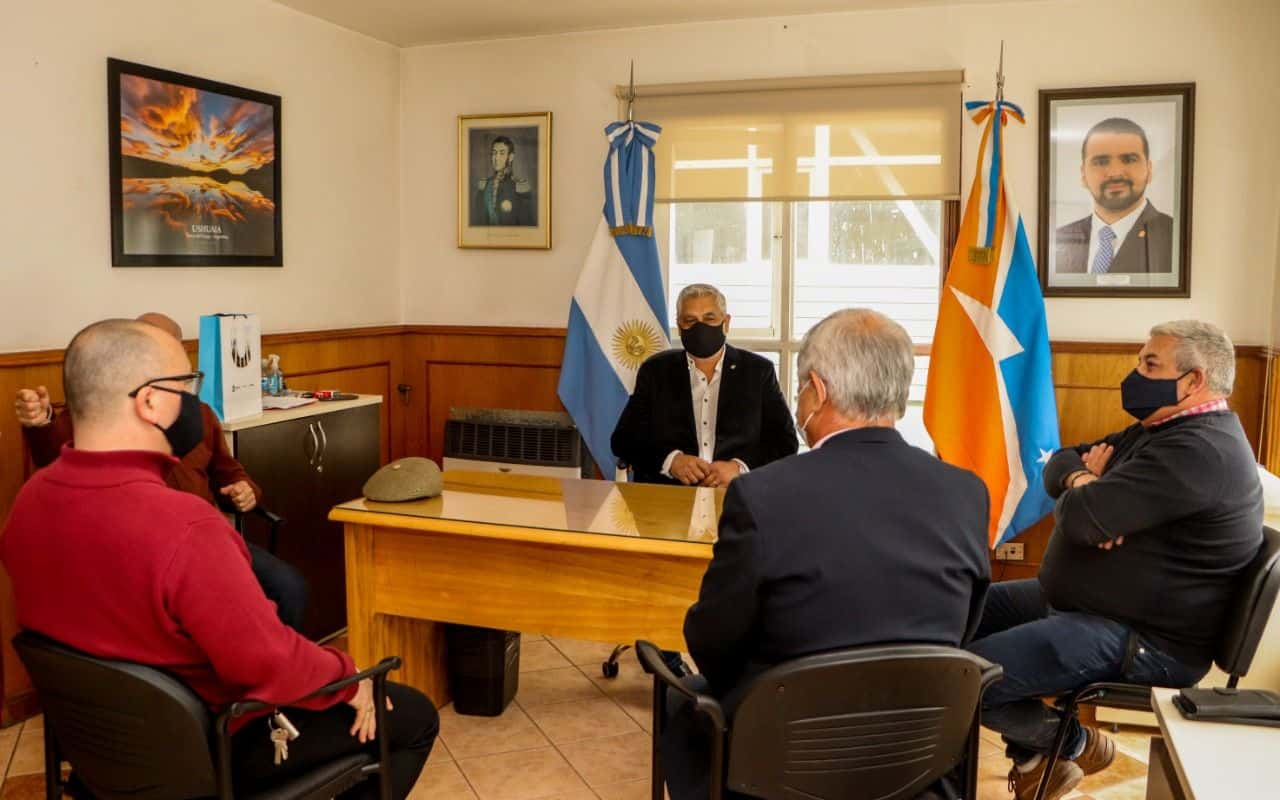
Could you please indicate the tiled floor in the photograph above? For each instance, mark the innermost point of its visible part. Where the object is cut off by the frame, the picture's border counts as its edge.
(572, 735)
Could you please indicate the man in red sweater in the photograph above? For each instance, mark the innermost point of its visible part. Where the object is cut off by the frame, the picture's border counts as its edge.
(106, 558)
(209, 471)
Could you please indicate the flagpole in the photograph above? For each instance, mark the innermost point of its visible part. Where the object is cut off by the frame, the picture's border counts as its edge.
(1000, 77)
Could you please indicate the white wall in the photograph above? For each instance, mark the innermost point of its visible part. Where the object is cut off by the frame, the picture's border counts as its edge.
(341, 176)
(1225, 46)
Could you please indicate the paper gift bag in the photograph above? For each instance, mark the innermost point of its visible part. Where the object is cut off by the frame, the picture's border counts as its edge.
(231, 360)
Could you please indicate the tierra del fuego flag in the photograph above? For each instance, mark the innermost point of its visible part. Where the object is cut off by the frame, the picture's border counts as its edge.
(989, 404)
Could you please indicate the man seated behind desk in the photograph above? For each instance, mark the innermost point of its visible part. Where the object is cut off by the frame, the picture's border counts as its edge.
(705, 414)
(208, 471)
(105, 558)
(1154, 524)
(864, 539)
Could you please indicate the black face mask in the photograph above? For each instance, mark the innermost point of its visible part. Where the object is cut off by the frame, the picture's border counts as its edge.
(188, 429)
(702, 340)
(1142, 396)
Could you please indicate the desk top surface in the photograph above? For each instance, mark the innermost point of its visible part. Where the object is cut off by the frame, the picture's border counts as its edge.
(1214, 759)
(635, 510)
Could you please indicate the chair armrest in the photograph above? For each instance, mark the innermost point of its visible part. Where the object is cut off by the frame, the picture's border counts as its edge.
(274, 521)
(271, 517)
(651, 660)
(378, 674)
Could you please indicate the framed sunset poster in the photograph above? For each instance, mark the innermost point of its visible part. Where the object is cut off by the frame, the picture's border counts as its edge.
(194, 169)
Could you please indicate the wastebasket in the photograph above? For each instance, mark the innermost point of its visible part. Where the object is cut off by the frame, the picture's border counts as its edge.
(484, 668)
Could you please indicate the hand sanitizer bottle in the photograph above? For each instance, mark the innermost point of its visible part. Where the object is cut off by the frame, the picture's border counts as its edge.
(272, 376)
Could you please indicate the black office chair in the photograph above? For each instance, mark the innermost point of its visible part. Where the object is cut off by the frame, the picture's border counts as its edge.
(131, 731)
(274, 521)
(880, 722)
(1246, 620)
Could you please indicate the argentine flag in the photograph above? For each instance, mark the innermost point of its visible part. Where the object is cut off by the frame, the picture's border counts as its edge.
(989, 404)
(619, 310)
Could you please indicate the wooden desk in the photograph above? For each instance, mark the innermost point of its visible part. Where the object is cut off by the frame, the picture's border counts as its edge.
(575, 558)
(1210, 760)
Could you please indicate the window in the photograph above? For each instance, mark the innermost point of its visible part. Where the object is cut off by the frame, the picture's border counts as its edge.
(882, 255)
(799, 198)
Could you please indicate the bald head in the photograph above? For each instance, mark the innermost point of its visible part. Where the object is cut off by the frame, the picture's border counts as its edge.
(162, 322)
(111, 358)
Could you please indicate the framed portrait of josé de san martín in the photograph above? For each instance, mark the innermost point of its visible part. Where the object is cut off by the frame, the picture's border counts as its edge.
(194, 170)
(1115, 191)
(504, 181)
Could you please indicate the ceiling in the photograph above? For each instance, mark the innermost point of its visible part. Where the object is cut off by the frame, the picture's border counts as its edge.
(415, 22)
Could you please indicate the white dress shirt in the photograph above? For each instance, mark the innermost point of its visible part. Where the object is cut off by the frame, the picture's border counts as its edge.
(706, 405)
(1120, 227)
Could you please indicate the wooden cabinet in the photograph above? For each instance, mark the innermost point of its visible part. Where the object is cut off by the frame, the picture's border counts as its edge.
(306, 463)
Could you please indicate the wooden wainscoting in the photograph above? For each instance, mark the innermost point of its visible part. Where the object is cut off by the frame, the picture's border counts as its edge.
(507, 367)
(474, 367)
(1270, 455)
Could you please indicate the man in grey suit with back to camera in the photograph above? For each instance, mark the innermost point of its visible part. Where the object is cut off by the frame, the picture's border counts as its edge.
(1125, 233)
(863, 540)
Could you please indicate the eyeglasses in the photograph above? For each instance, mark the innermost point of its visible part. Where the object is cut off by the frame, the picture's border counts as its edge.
(190, 383)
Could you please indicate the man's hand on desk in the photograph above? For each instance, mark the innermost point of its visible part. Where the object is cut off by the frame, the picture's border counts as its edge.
(33, 407)
(241, 495)
(721, 473)
(690, 470)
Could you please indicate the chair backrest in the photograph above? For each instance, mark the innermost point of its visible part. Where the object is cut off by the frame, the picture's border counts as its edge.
(129, 731)
(878, 722)
(1248, 614)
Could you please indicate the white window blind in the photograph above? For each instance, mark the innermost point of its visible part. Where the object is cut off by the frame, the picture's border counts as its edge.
(840, 137)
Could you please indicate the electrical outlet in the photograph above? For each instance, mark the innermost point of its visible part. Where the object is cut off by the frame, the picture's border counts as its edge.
(1011, 551)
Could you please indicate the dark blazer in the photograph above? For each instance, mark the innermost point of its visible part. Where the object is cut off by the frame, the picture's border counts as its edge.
(1147, 248)
(508, 202)
(866, 540)
(753, 422)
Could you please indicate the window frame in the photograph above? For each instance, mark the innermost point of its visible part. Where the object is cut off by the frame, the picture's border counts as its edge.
(785, 344)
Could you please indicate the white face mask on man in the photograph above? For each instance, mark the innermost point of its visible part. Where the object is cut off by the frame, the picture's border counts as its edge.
(804, 426)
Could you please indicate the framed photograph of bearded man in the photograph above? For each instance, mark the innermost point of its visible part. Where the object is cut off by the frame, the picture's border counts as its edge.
(194, 169)
(1115, 191)
(504, 181)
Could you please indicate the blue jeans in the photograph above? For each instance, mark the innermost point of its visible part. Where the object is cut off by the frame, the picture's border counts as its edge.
(282, 584)
(1048, 652)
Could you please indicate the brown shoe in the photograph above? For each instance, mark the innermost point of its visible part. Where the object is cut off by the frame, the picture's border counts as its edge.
(1099, 751)
(1062, 780)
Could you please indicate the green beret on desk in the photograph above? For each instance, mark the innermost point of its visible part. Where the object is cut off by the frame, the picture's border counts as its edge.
(405, 479)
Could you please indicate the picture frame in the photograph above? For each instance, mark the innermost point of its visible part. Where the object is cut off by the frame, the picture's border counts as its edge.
(504, 181)
(1119, 156)
(195, 171)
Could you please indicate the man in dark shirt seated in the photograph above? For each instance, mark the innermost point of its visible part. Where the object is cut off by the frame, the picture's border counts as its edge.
(105, 558)
(1154, 523)
(864, 539)
(209, 472)
(708, 413)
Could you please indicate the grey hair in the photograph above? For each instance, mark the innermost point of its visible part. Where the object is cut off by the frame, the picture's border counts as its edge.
(104, 362)
(1202, 345)
(866, 360)
(696, 290)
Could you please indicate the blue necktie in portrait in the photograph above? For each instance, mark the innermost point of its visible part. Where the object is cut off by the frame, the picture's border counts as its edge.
(1106, 251)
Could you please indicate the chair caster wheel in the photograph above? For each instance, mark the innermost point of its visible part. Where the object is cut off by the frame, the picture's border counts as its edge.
(609, 669)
